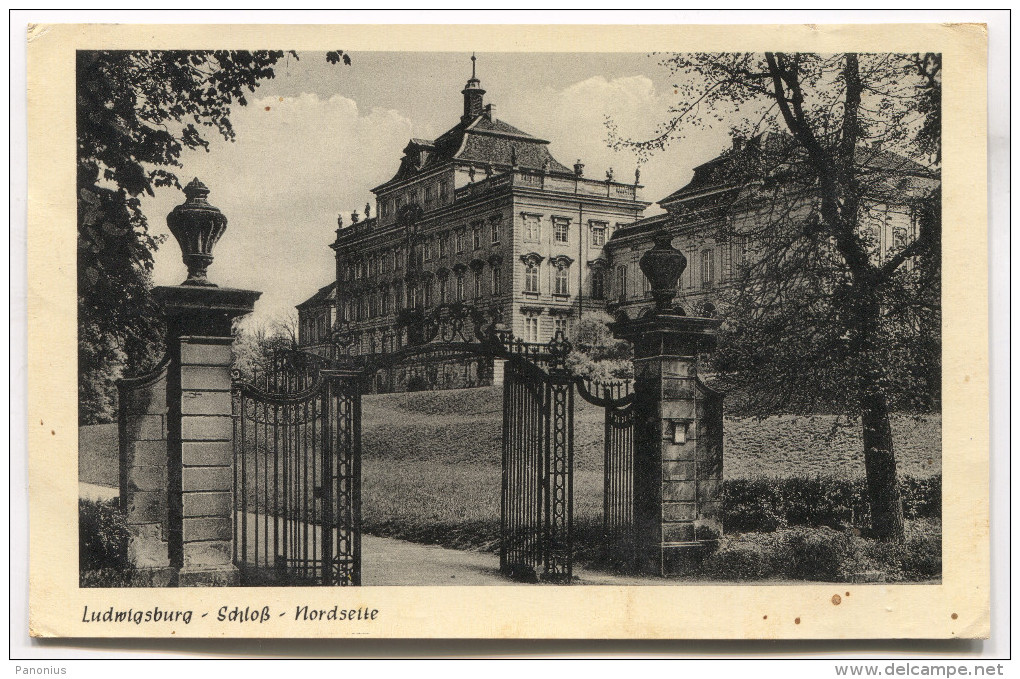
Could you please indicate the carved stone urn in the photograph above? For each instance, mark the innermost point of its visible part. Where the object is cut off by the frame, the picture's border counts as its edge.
(663, 265)
(197, 226)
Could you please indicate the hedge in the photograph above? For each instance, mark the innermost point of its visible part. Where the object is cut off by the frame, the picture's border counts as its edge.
(767, 504)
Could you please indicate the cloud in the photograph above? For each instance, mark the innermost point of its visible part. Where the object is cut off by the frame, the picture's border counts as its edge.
(573, 119)
(296, 163)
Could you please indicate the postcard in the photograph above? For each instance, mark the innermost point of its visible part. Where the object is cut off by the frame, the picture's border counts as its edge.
(636, 332)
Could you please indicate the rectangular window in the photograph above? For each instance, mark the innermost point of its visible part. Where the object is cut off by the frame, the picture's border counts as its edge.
(398, 296)
(598, 234)
(460, 240)
(460, 288)
(494, 229)
(442, 291)
(443, 244)
(707, 268)
(561, 230)
(621, 283)
(478, 284)
(531, 328)
(532, 227)
(739, 254)
(560, 325)
(497, 281)
(443, 192)
(531, 278)
(562, 282)
(427, 290)
(385, 302)
(646, 285)
(476, 236)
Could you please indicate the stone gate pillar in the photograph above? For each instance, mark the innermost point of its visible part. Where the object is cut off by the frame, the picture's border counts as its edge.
(677, 426)
(199, 426)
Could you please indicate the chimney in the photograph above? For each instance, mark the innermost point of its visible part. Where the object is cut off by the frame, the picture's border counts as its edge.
(578, 168)
(488, 111)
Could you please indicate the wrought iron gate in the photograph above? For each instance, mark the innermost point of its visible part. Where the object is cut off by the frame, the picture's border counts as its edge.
(536, 507)
(616, 399)
(297, 475)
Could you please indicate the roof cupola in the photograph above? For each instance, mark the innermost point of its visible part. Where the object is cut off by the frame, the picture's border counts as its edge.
(473, 96)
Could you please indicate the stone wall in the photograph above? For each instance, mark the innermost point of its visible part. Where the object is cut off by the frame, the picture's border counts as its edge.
(142, 430)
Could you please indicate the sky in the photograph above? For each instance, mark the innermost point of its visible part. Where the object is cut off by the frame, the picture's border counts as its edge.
(313, 141)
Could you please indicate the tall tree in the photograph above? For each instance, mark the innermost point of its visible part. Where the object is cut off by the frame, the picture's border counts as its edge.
(826, 311)
(137, 111)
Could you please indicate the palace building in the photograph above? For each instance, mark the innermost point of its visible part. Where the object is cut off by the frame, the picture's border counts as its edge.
(484, 215)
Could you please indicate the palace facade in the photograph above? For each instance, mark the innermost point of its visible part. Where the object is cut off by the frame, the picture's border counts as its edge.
(484, 215)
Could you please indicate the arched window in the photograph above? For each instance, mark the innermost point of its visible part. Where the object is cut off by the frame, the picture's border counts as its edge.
(441, 282)
(562, 281)
(531, 277)
(478, 283)
(460, 287)
(621, 282)
(598, 284)
(497, 281)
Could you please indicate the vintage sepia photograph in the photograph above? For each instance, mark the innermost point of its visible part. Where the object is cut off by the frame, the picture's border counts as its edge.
(493, 318)
(507, 334)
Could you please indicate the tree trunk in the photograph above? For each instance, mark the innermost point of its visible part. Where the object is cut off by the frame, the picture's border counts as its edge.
(880, 464)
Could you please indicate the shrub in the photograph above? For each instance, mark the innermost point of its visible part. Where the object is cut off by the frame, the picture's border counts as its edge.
(922, 496)
(821, 554)
(102, 536)
(764, 504)
(738, 561)
(753, 505)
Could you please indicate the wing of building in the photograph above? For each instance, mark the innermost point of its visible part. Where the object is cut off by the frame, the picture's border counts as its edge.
(718, 217)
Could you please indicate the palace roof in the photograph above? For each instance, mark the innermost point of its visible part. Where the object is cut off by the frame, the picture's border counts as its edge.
(324, 294)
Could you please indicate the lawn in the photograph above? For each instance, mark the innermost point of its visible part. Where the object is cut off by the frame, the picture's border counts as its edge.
(431, 468)
(431, 464)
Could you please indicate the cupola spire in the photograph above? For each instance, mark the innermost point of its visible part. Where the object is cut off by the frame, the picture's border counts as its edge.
(474, 95)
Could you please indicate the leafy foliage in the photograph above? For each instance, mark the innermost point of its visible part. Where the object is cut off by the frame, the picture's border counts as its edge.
(102, 536)
(827, 148)
(137, 111)
(825, 554)
(256, 343)
(596, 354)
(765, 504)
